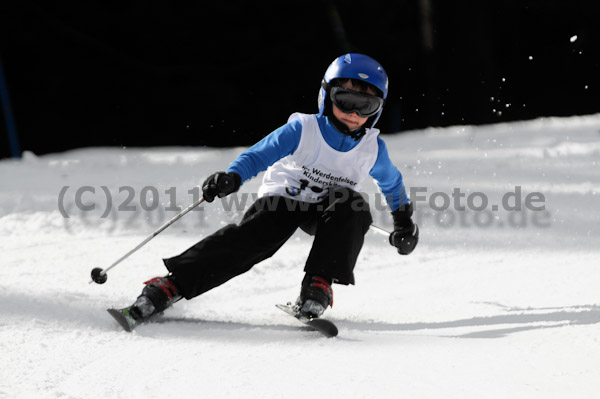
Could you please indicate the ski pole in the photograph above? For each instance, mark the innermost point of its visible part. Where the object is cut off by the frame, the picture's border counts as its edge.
(379, 230)
(99, 275)
(376, 229)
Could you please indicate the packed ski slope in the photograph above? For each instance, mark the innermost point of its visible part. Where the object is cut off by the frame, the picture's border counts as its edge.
(495, 302)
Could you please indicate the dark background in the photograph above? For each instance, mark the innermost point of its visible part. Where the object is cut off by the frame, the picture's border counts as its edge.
(225, 73)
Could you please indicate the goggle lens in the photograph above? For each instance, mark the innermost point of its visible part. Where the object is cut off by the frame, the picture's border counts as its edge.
(349, 101)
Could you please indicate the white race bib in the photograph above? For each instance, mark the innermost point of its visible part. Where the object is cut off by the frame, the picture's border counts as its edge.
(308, 173)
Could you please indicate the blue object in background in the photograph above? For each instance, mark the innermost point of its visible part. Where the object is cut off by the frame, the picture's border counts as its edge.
(15, 150)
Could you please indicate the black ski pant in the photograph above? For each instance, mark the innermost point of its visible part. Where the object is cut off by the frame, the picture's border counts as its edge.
(338, 224)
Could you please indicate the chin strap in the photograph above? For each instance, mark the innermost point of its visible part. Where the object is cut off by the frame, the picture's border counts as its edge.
(354, 134)
(358, 134)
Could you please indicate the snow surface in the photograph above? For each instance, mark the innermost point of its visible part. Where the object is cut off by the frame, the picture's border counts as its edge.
(496, 304)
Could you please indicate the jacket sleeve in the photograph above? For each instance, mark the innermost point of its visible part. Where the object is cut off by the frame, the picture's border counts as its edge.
(278, 144)
(389, 179)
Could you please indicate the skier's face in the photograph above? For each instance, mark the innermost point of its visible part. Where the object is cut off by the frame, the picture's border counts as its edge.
(352, 120)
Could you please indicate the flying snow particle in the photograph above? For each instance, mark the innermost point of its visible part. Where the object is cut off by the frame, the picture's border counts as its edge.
(573, 38)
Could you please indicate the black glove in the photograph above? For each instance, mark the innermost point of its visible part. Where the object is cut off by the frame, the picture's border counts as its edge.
(406, 234)
(220, 184)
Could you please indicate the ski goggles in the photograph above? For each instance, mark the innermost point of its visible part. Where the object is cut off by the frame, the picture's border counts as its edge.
(349, 101)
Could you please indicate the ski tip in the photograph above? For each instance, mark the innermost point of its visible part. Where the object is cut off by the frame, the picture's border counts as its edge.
(120, 318)
(334, 332)
(326, 327)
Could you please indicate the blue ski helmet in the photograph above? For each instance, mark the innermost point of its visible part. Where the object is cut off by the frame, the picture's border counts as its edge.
(356, 66)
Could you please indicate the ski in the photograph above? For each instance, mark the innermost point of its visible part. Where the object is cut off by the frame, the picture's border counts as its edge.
(324, 326)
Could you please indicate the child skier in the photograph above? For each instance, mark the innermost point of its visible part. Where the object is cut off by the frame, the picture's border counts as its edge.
(314, 165)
